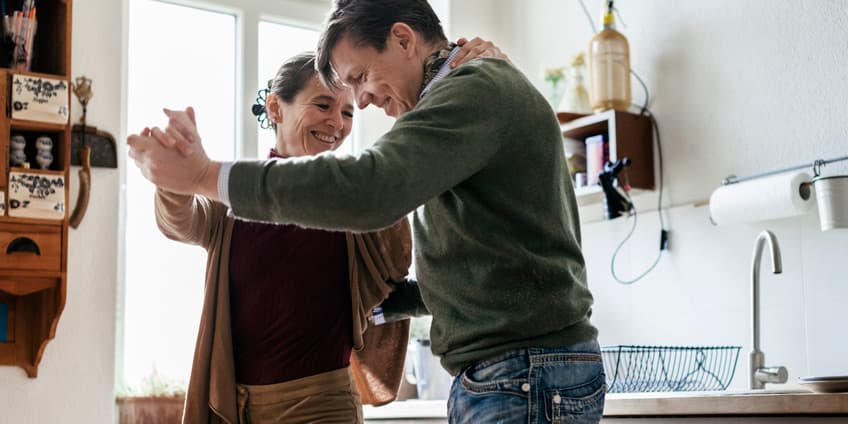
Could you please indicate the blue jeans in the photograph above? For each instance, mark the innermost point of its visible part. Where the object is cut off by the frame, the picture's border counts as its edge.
(532, 386)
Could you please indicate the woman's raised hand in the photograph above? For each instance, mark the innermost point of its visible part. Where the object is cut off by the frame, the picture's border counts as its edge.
(474, 48)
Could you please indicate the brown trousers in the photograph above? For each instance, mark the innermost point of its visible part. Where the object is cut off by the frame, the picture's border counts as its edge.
(330, 397)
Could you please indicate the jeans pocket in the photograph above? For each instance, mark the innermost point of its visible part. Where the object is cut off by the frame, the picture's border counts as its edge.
(578, 404)
(507, 376)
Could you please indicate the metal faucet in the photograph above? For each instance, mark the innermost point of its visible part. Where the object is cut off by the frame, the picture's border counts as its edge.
(759, 373)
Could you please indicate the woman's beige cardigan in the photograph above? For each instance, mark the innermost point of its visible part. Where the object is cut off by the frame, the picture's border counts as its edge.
(373, 259)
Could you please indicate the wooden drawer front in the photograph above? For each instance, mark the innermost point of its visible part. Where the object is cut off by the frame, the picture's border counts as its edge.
(35, 248)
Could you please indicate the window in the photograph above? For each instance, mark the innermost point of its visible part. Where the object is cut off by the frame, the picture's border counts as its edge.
(176, 67)
(181, 54)
(208, 67)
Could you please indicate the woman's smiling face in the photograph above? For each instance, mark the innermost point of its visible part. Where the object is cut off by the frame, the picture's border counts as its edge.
(317, 119)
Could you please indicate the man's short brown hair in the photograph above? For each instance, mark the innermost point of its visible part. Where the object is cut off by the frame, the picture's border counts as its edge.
(368, 23)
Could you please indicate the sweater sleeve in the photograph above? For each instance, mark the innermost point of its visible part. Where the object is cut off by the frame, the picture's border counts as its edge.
(449, 136)
(187, 218)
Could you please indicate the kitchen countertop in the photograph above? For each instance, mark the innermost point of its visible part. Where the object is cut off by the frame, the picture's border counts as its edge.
(757, 402)
(680, 404)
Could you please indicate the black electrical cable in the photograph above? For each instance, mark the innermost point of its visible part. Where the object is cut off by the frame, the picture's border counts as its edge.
(588, 17)
(656, 130)
(644, 111)
(664, 243)
(620, 245)
(645, 89)
(663, 230)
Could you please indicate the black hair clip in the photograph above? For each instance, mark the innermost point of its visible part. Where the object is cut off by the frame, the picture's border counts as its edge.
(260, 111)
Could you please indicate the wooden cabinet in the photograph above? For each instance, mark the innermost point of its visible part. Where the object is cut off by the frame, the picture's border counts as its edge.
(626, 134)
(34, 217)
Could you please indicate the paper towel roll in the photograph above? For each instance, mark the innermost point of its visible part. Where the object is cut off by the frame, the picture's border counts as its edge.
(761, 199)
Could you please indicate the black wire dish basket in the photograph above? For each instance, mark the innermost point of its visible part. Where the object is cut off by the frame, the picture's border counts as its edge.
(669, 368)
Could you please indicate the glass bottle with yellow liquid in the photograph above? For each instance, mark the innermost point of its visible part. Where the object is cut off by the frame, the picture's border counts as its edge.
(609, 67)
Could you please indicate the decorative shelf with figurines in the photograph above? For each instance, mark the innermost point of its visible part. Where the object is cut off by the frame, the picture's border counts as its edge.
(35, 140)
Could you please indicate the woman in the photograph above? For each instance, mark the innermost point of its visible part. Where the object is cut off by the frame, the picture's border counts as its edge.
(283, 330)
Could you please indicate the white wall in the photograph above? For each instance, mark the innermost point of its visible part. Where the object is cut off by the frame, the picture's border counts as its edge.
(75, 381)
(738, 88)
(481, 18)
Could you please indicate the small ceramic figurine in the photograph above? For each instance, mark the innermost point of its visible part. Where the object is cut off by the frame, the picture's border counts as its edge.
(43, 143)
(18, 158)
(44, 157)
(17, 143)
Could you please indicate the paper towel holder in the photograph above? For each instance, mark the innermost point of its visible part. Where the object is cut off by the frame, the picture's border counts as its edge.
(816, 165)
(832, 198)
(805, 190)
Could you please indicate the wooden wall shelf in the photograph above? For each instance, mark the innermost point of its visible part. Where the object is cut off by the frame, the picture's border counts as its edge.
(29, 221)
(34, 250)
(23, 287)
(21, 125)
(628, 135)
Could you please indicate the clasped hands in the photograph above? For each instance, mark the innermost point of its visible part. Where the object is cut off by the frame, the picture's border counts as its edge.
(174, 159)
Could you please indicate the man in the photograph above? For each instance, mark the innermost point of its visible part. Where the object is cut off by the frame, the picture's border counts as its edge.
(477, 151)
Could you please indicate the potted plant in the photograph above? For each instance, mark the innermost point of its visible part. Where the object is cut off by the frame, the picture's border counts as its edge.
(158, 400)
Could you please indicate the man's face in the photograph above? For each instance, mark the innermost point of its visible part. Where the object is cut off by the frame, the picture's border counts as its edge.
(390, 79)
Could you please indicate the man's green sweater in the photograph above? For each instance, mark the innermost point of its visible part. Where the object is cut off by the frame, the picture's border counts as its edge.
(497, 238)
